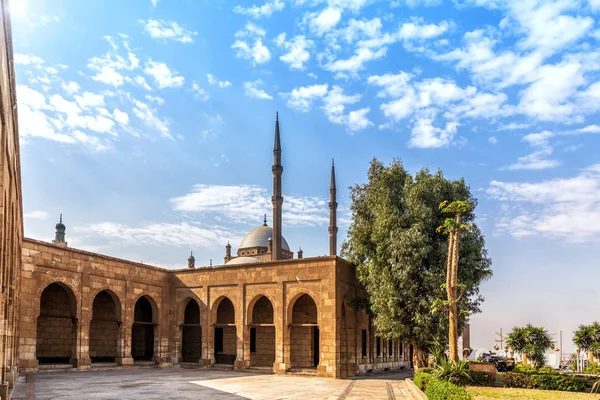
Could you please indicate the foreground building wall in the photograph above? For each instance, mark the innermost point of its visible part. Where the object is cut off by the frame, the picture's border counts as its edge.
(69, 297)
(82, 308)
(11, 215)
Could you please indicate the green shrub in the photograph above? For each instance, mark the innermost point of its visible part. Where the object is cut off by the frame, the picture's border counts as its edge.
(443, 390)
(562, 382)
(548, 370)
(519, 380)
(481, 378)
(593, 369)
(524, 369)
(427, 370)
(456, 373)
(421, 379)
(565, 383)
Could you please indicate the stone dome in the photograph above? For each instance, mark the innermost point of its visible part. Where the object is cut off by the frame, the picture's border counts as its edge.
(242, 260)
(259, 237)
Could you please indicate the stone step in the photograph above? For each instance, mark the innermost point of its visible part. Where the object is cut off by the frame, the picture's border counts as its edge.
(222, 367)
(56, 367)
(302, 371)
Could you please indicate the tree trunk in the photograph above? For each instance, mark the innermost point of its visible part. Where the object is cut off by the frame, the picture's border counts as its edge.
(452, 296)
(419, 357)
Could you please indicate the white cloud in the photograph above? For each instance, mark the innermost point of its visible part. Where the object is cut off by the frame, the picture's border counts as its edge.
(297, 51)
(565, 208)
(252, 89)
(155, 99)
(121, 116)
(168, 30)
(108, 67)
(141, 81)
(199, 92)
(425, 135)
(26, 59)
(302, 98)
(356, 63)
(334, 104)
(195, 235)
(513, 126)
(87, 100)
(539, 158)
(257, 52)
(414, 31)
(162, 75)
(325, 20)
(260, 11)
(493, 140)
(213, 81)
(247, 203)
(36, 215)
(71, 87)
(589, 129)
(109, 76)
(150, 118)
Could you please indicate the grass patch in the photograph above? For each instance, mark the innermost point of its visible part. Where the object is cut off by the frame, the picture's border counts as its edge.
(489, 393)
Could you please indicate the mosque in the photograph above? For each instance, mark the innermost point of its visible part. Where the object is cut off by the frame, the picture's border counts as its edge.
(262, 309)
(66, 308)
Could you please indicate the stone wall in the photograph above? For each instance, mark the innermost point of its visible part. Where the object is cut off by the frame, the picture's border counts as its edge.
(84, 276)
(350, 330)
(264, 356)
(11, 214)
(284, 302)
(104, 329)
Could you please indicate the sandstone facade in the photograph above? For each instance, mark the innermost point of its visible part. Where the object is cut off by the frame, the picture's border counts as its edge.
(83, 308)
(11, 214)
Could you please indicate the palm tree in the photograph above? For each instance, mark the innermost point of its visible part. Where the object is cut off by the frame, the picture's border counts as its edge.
(532, 342)
(587, 338)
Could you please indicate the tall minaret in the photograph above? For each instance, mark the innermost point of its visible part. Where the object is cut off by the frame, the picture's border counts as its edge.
(277, 198)
(333, 229)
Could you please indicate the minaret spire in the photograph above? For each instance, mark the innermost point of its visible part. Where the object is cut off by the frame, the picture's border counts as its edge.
(277, 198)
(59, 236)
(333, 229)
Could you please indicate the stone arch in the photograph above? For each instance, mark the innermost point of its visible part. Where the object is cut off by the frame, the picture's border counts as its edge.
(303, 318)
(225, 335)
(191, 331)
(144, 338)
(70, 291)
(261, 319)
(56, 330)
(105, 327)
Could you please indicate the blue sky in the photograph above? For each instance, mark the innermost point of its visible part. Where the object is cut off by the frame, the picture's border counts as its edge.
(149, 125)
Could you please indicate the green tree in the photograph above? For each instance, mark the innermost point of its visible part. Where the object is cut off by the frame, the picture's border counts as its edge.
(587, 338)
(532, 341)
(400, 257)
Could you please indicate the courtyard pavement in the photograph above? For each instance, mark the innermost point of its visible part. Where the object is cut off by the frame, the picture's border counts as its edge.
(180, 383)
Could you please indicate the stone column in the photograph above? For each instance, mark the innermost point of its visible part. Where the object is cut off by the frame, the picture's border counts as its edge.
(205, 329)
(282, 352)
(242, 333)
(126, 328)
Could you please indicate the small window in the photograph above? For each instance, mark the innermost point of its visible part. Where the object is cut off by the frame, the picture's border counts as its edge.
(400, 349)
(378, 346)
(364, 343)
(390, 348)
(252, 340)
